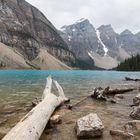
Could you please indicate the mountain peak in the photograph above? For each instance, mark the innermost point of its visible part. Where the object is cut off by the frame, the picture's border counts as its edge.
(105, 27)
(126, 32)
(79, 24)
(138, 33)
(81, 20)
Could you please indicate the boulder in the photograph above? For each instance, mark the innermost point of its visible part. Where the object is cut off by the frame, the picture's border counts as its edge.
(89, 126)
(136, 100)
(121, 135)
(136, 113)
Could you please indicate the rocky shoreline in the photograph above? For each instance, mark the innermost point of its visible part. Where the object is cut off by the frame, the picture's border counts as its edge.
(115, 118)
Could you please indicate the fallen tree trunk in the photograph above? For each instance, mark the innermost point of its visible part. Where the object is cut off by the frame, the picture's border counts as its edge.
(131, 79)
(119, 91)
(32, 125)
(103, 94)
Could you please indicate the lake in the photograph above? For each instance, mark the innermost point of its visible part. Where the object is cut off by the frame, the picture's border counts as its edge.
(18, 88)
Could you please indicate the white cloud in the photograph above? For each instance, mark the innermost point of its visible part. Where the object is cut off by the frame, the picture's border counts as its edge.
(121, 14)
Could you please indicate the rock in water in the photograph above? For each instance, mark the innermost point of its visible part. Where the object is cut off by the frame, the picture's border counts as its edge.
(136, 100)
(133, 126)
(56, 119)
(136, 113)
(121, 135)
(89, 126)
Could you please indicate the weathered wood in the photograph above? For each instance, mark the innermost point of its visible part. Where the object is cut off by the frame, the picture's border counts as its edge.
(99, 94)
(103, 94)
(131, 79)
(33, 124)
(119, 91)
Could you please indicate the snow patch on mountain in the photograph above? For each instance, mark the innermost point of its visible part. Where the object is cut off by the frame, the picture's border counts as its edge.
(73, 30)
(101, 42)
(69, 38)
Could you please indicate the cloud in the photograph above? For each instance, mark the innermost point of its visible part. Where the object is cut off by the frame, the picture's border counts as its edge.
(121, 14)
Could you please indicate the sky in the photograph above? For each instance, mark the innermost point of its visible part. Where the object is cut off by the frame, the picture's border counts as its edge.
(121, 14)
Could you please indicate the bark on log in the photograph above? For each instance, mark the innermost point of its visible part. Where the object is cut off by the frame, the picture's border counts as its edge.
(32, 125)
(131, 79)
(119, 91)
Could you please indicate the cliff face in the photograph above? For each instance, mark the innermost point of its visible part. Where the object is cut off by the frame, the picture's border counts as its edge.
(81, 38)
(26, 29)
(130, 42)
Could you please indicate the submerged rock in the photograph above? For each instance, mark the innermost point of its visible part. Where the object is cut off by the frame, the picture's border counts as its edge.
(56, 119)
(2, 122)
(119, 96)
(133, 126)
(121, 135)
(136, 100)
(89, 126)
(2, 135)
(136, 113)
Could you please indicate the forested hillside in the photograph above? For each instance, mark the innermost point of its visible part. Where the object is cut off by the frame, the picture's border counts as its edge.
(131, 64)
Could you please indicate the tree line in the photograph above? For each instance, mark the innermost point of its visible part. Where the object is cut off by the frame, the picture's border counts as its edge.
(130, 64)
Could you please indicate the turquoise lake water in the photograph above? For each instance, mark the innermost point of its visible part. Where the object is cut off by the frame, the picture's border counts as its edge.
(18, 88)
(31, 83)
(13, 80)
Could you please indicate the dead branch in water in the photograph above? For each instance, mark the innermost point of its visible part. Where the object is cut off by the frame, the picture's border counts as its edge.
(103, 94)
(131, 79)
(119, 91)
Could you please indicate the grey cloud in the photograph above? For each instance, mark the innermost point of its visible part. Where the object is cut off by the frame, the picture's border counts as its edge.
(121, 14)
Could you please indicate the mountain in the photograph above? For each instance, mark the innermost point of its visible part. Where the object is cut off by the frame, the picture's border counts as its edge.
(130, 42)
(25, 29)
(81, 38)
(106, 47)
(79, 34)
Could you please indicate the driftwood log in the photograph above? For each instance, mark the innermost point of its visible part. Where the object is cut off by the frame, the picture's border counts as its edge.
(103, 94)
(32, 125)
(131, 79)
(118, 91)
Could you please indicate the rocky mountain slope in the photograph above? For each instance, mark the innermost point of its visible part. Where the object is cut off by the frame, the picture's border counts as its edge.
(25, 29)
(9, 58)
(46, 61)
(103, 45)
(77, 36)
